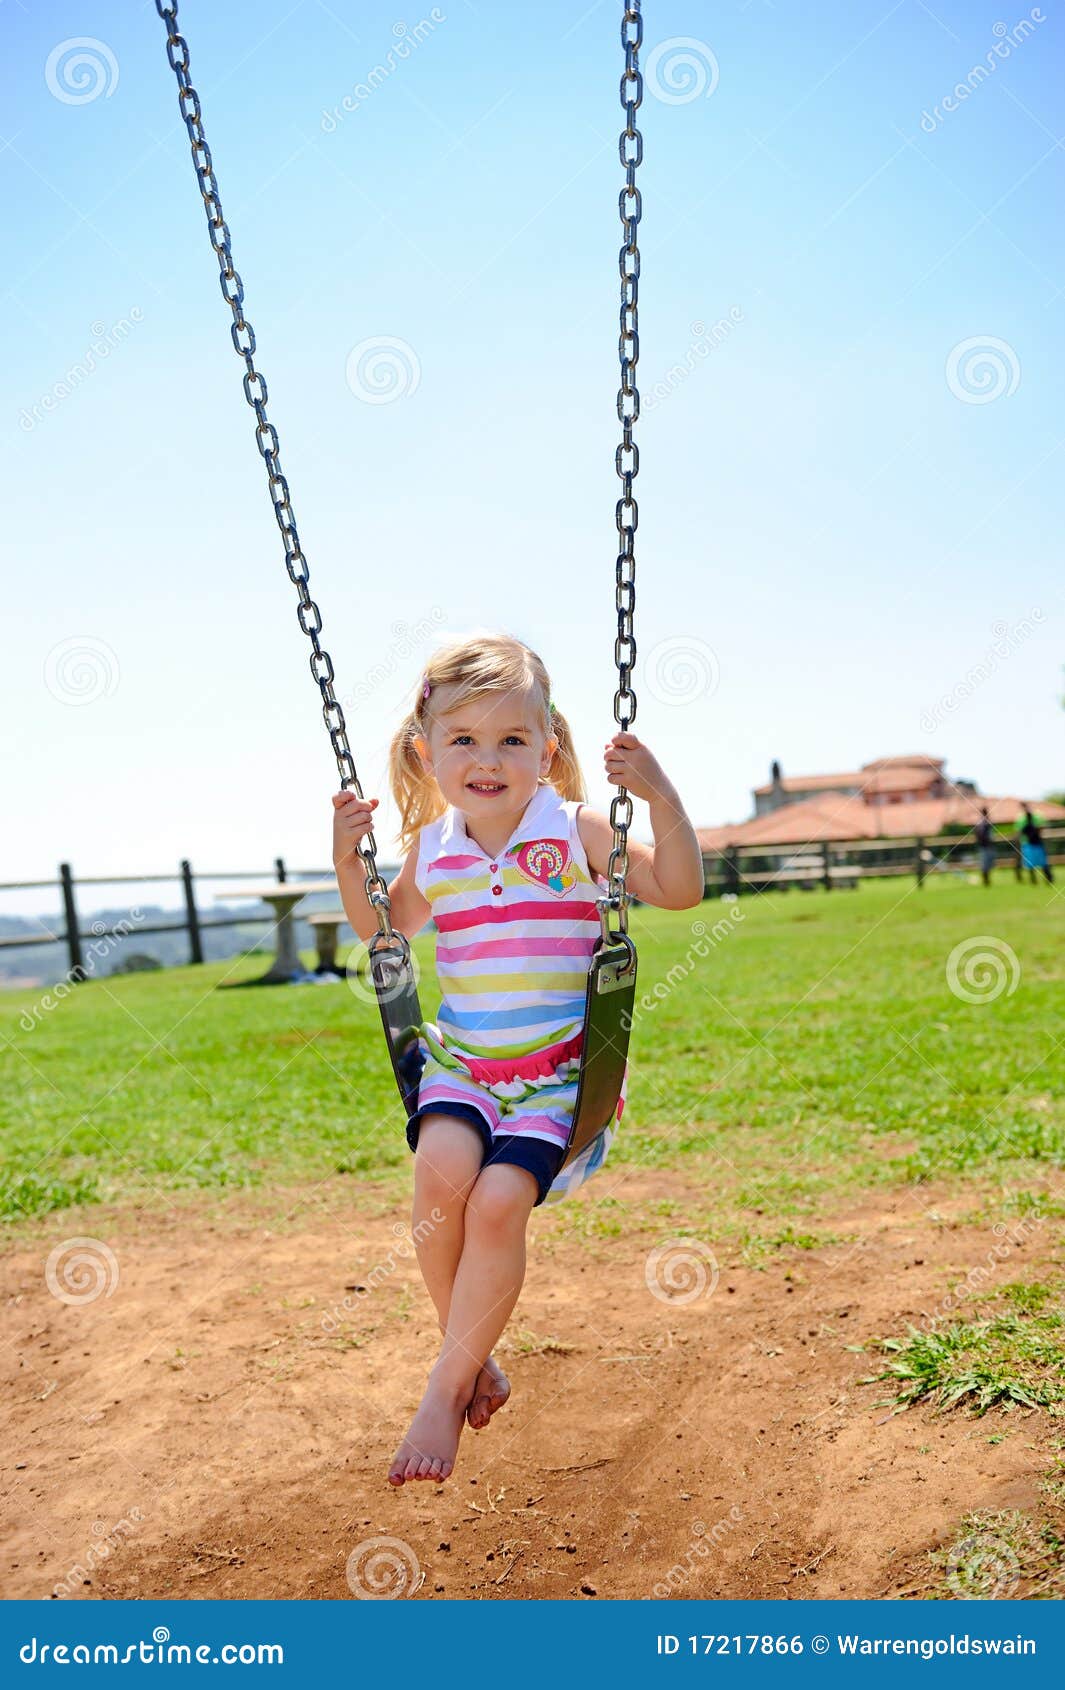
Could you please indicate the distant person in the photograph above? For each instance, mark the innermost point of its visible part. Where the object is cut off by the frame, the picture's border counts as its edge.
(1033, 850)
(985, 839)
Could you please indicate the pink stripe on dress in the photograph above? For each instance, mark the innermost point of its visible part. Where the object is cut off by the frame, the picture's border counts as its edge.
(453, 921)
(514, 948)
(538, 1126)
(443, 1091)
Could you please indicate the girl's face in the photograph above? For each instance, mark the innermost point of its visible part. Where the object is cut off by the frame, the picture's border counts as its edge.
(487, 754)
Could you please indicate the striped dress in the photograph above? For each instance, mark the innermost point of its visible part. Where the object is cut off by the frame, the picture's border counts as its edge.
(515, 932)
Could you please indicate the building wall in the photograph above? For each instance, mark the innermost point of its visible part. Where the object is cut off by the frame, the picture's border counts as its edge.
(765, 802)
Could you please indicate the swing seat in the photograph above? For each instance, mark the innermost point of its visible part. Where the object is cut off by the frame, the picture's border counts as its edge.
(608, 1009)
(392, 971)
(608, 1005)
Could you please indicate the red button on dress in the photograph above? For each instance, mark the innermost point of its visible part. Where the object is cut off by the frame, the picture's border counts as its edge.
(493, 866)
(497, 891)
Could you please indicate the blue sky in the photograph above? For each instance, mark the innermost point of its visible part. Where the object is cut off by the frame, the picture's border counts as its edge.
(850, 492)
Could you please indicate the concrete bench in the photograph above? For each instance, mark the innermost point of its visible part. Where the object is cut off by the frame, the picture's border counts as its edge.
(326, 925)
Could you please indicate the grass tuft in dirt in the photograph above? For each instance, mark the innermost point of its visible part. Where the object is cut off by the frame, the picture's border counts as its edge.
(523, 1342)
(33, 1196)
(1014, 1357)
(1000, 1555)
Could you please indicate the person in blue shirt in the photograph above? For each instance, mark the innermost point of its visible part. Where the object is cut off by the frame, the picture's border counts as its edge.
(1033, 850)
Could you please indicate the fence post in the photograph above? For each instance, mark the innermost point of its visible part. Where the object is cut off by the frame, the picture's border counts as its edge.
(826, 858)
(73, 937)
(195, 942)
(730, 858)
(279, 864)
(918, 862)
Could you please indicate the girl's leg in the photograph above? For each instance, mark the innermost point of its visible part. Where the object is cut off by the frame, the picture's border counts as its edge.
(491, 1271)
(447, 1163)
(490, 1274)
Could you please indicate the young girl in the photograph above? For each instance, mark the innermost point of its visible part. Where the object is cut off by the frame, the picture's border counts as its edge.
(504, 855)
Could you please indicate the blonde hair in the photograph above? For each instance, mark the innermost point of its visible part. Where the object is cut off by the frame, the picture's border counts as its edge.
(473, 667)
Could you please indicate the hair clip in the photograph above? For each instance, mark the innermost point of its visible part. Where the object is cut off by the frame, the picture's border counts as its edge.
(426, 690)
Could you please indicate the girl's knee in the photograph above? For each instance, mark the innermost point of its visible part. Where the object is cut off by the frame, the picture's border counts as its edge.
(502, 1199)
(447, 1160)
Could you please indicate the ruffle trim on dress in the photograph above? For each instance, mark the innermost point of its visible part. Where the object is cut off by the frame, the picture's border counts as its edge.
(549, 1066)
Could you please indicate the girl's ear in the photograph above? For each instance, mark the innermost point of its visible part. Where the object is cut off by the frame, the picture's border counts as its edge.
(422, 748)
(550, 747)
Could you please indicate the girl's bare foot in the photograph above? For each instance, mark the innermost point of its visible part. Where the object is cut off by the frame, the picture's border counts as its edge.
(429, 1448)
(489, 1394)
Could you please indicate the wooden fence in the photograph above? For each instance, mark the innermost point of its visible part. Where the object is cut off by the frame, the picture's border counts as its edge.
(832, 865)
(841, 863)
(74, 937)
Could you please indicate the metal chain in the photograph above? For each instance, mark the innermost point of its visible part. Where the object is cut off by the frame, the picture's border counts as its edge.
(627, 456)
(243, 335)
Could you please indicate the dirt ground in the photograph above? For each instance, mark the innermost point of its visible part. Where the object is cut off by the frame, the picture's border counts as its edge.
(218, 1420)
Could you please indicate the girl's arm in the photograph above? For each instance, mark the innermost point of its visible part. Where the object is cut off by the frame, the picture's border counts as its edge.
(668, 874)
(409, 910)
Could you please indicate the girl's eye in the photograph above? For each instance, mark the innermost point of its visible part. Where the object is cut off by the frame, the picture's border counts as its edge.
(461, 739)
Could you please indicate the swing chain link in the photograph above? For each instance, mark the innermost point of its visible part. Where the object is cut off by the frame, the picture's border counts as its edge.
(255, 393)
(627, 456)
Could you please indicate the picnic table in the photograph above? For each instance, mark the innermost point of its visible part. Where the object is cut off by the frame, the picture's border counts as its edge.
(282, 896)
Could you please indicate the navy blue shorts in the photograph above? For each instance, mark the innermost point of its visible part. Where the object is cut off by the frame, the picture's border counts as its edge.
(518, 1150)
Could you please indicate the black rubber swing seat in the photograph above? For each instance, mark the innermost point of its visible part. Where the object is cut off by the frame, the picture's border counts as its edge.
(608, 1010)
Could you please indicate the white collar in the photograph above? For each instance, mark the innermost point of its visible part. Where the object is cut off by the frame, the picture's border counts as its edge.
(543, 804)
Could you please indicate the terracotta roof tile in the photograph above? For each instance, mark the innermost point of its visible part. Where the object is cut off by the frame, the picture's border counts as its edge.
(812, 783)
(826, 817)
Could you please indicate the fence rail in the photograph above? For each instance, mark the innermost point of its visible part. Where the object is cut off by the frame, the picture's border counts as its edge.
(190, 922)
(833, 863)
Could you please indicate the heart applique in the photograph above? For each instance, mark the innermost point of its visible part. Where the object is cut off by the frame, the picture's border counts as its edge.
(544, 861)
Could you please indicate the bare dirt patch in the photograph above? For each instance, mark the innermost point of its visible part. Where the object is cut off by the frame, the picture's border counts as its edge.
(221, 1423)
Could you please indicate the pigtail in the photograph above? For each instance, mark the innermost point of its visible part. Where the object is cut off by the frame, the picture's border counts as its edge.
(565, 773)
(418, 798)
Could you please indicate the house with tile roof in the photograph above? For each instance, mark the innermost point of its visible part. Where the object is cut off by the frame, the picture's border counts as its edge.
(889, 798)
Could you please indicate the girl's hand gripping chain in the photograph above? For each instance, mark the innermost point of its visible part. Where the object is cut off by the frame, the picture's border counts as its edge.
(352, 821)
(632, 764)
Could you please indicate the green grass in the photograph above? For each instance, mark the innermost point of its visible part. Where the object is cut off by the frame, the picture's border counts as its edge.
(1000, 1555)
(1013, 1356)
(813, 1049)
